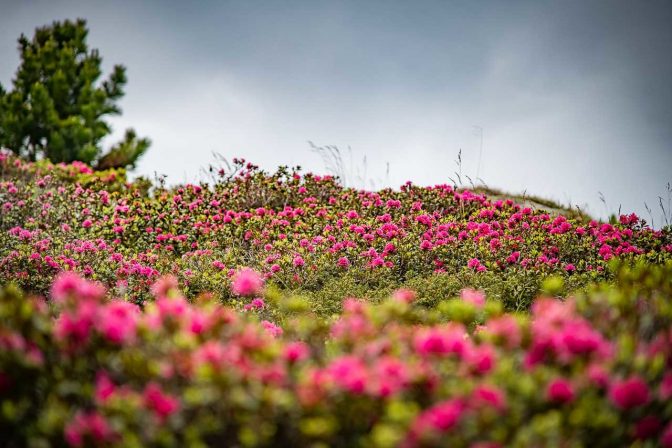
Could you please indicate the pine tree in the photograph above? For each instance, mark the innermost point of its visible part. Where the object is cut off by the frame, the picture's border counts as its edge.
(57, 107)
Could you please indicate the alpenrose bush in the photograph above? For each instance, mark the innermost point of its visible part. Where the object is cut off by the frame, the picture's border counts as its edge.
(82, 368)
(303, 233)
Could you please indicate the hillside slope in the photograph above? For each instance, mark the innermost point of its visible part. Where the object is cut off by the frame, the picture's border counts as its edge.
(305, 233)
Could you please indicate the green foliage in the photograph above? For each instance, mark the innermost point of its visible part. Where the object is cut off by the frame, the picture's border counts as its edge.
(57, 108)
(125, 153)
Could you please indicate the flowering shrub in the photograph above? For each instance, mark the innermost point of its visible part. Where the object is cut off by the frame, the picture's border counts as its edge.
(303, 233)
(83, 368)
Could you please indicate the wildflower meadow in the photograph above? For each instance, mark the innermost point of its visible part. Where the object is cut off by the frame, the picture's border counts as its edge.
(283, 309)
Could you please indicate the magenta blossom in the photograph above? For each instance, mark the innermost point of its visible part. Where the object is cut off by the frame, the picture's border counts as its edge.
(404, 295)
(88, 426)
(272, 329)
(489, 396)
(560, 391)
(296, 351)
(257, 304)
(104, 387)
(163, 286)
(476, 298)
(506, 330)
(441, 417)
(118, 322)
(163, 405)
(629, 393)
(343, 262)
(349, 373)
(441, 340)
(247, 282)
(71, 285)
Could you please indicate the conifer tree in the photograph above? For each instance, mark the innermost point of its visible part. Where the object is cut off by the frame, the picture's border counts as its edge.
(57, 107)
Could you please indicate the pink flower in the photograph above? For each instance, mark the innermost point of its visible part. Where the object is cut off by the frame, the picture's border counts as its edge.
(506, 330)
(343, 262)
(271, 328)
(629, 393)
(247, 282)
(443, 340)
(73, 328)
(490, 396)
(163, 405)
(481, 359)
(65, 285)
(390, 376)
(199, 321)
(474, 263)
(559, 334)
(578, 337)
(104, 387)
(298, 261)
(70, 285)
(560, 390)
(377, 262)
(404, 295)
(87, 426)
(440, 417)
(257, 303)
(87, 223)
(598, 376)
(172, 307)
(570, 267)
(349, 373)
(163, 286)
(296, 351)
(513, 258)
(118, 321)
(476, 298)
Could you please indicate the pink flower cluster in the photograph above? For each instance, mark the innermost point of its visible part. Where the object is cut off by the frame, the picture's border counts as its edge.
(296, 229)
(159, 373)
(247, 282)
(560, 335)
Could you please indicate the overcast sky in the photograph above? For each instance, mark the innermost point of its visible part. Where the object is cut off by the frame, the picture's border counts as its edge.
(573, 97)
